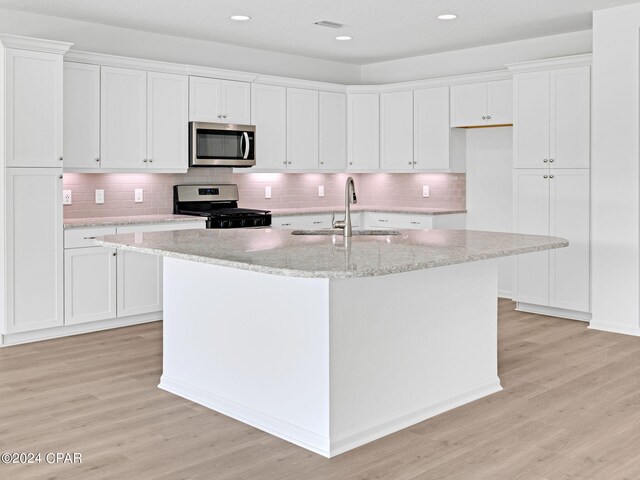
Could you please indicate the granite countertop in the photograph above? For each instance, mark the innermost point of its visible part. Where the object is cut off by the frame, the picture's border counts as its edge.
(127, 220)
(278, 252)
(356, 208)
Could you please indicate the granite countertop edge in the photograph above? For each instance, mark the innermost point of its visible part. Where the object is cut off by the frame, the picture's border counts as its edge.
(71, 223)
(357, 209)
(558, 243)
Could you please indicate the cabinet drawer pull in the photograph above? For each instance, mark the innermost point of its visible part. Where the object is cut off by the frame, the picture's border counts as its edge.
(415, 223)
(383, 220)
(89, 238)
(317, 223)
(286, 224)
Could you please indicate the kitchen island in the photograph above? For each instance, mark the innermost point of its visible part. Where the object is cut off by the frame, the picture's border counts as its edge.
(328, 344)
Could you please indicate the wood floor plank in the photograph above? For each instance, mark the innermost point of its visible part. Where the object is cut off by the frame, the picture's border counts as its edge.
(570, 410)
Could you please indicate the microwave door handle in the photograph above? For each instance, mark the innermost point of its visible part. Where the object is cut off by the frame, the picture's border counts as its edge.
(245, 135)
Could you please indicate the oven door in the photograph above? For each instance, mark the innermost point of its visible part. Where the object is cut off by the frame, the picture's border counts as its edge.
(221, 145)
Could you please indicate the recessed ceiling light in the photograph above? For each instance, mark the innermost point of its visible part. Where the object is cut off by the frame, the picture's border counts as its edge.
(447, 16)
(240, 18)
(343, 37)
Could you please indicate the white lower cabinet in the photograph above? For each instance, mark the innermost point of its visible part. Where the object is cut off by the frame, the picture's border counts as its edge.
(34, 260)
(554, 202)
(103, 283)
(90, 284)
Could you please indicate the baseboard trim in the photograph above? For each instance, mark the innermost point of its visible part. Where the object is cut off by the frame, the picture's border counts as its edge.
(327, 447)
(615, 328)
(348, 441)
(260, 420)
(10, 339)
(553, 312)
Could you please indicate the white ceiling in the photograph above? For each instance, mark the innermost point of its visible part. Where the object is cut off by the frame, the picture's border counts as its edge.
(381, 29)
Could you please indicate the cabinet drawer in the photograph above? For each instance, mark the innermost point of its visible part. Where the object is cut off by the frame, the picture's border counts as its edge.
(397, 220)
(161, 227)
(83, 237)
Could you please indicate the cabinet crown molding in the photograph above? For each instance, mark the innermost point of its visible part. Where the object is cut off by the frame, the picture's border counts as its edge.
(299, 83)
(34, 44)
(552, 63)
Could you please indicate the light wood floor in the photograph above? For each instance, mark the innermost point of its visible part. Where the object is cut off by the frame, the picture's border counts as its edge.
(570, 409)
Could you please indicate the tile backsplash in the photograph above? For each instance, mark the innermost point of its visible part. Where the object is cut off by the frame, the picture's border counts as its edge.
(290, 190)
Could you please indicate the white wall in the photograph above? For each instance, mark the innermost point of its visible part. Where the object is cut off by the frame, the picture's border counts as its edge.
(479, 59)
(92, 37)
(615, 172)
(490, 189)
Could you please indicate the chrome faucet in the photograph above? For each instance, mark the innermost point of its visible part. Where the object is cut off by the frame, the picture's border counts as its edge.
(349, 198)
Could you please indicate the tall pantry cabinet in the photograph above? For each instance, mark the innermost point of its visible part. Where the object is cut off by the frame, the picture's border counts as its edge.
(31, 250)
(552, 105)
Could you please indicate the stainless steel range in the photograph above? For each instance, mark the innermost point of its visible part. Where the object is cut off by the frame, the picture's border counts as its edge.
(219, 203)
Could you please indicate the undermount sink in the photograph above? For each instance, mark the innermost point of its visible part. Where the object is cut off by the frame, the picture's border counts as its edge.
(339, 231)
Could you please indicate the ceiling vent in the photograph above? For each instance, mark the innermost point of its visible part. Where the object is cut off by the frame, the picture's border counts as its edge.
(327, 23)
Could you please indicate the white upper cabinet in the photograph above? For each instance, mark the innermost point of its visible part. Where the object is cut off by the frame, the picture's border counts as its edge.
(33, 109)
(531, 123)
(81, 116)
(302, 129)
(482, 104)
(552, 118)
(570, 120)
(269, 115)
(332, 135)
(219, 101)
(396, 131)
(363, 131)
(431, 132)
(167, 119)
(123, 118)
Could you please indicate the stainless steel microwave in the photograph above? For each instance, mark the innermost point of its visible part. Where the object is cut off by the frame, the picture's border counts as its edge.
(221, 145)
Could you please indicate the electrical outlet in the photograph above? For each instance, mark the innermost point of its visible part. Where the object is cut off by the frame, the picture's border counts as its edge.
(99, 197)
(66, 197)
(425, 191)
(321, 190)
(139, 197)
(267, 192)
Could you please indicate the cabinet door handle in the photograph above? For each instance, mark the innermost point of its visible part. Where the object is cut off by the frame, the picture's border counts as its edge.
(545, 160)
(151, 160)
(289, 163)
(545, 176)
(60, 177)
(321, 163)
(144, 160)
(97, 159)
(414, 162)
(488, 117)
(550, 176)
(484, 118)
(410, 163)
(114, 254)
(219, 116)
(551, 160)
(60, 158)
(350, 163)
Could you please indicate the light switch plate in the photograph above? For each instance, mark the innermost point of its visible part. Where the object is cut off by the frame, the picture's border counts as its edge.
(321, 190)
(139, 197)
(99, 197)
(267, 192)
(425, 191)
(66, 197)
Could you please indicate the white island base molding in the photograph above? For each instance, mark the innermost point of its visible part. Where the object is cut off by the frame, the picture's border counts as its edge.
(330, 364)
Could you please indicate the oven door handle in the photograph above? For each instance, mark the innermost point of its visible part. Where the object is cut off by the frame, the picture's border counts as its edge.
(245, 135)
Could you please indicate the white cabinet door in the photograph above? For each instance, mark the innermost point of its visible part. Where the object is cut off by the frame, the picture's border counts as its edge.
(204, 100)
(500, 102)
(569, 218)
(396, 131)
(570, 121)
(531, 216)
(34, 249)
(81, 116)
(235, 102)
(167, 118)
(123, 118)
(33, 95)
(89, 284)
(139, 281)
(363, 131)
(302, 129)
(431, 131)
(332, 131)
(531, 122)
(269, 115)
(469, 105)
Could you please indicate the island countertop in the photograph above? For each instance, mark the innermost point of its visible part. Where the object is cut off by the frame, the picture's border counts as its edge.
(278, 252)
